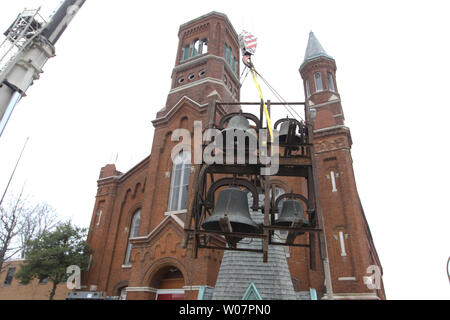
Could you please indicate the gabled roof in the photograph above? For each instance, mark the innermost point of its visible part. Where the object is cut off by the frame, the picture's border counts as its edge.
(252, 293)
(314, 49)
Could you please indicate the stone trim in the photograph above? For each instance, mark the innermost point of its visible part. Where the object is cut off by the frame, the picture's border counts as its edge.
(312, 105)
(174, 214)
(141, 289)
(196, 288)
(352, 296)
(202, 81)
(332, 128)
(169, 113)
(347, 279)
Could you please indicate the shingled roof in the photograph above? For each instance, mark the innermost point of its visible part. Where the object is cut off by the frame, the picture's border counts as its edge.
(241, 268)
(314, 49)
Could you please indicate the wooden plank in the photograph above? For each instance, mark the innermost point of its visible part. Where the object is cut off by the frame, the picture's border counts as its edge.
(312, 251)
(230, 249)
(293, 234)
(298, 229)
(235, 234)
(295, 161)
(190, 207)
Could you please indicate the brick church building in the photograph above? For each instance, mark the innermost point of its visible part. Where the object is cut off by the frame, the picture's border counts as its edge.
(137, 225)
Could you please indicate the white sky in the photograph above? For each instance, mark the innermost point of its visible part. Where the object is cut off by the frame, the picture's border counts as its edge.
(112, 71)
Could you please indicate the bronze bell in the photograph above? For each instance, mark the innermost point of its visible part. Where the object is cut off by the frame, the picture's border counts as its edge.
(287, 135)
(237, 123)
(233, 203)
(291, 212)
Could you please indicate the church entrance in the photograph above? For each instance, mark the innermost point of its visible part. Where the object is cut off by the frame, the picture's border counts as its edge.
(170, 284)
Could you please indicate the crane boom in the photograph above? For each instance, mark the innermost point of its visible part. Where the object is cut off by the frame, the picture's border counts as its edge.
(29, 43)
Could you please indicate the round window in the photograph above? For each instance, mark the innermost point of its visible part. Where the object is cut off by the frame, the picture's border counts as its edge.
(181, 80)
(191, 76)
(202, 73)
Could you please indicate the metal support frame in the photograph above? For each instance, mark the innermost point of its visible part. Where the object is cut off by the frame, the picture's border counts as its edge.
(28, 25)
(298, 162)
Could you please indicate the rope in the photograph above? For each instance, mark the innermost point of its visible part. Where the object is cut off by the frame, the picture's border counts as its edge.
(280, 98)
(266, 111)
(248, 71)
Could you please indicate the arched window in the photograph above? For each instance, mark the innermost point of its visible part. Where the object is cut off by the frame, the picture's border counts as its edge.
(308, 89)
(227, 52)
(204, 46)
(133, 232)
(185, 52)
(330, 82)
(195, 47)
(180, 181)
(318, 81)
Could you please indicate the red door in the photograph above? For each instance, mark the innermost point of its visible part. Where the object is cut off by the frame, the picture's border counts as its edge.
(170, 296)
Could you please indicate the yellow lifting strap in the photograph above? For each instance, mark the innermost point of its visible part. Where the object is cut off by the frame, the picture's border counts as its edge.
(266, 111)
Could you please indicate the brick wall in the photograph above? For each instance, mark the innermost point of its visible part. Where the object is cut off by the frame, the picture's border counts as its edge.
(32, 291)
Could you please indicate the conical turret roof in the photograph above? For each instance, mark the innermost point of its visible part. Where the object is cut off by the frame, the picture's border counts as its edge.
(314, 49)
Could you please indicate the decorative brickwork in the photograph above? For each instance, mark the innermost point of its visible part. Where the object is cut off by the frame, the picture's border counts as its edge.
(156, 251)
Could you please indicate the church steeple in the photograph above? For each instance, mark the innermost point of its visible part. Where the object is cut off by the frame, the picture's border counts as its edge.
(349, 243)
(318, 71)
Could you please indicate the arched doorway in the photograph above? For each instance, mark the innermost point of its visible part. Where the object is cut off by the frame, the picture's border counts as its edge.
(169, 282)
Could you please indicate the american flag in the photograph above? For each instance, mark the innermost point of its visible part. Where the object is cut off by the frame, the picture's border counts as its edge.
(248, 43)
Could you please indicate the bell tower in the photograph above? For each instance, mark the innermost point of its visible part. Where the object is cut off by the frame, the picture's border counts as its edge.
(354, 263)
(207, 62)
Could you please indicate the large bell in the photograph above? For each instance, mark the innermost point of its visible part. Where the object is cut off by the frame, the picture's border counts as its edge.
(238, 122)
(233, 203)
(286, 137)
(291, 212)
(236, 126)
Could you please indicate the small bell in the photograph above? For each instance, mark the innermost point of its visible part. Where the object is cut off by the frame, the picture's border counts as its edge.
(291, 212)
(287, 135)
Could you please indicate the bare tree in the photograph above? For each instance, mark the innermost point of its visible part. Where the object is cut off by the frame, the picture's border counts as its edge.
(34, 222)
(20, 221)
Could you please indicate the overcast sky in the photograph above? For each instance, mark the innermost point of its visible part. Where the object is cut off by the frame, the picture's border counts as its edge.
(97, 97)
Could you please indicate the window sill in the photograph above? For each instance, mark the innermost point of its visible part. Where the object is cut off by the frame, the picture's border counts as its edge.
(347, 279)
(192, 58)
(126, 266)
